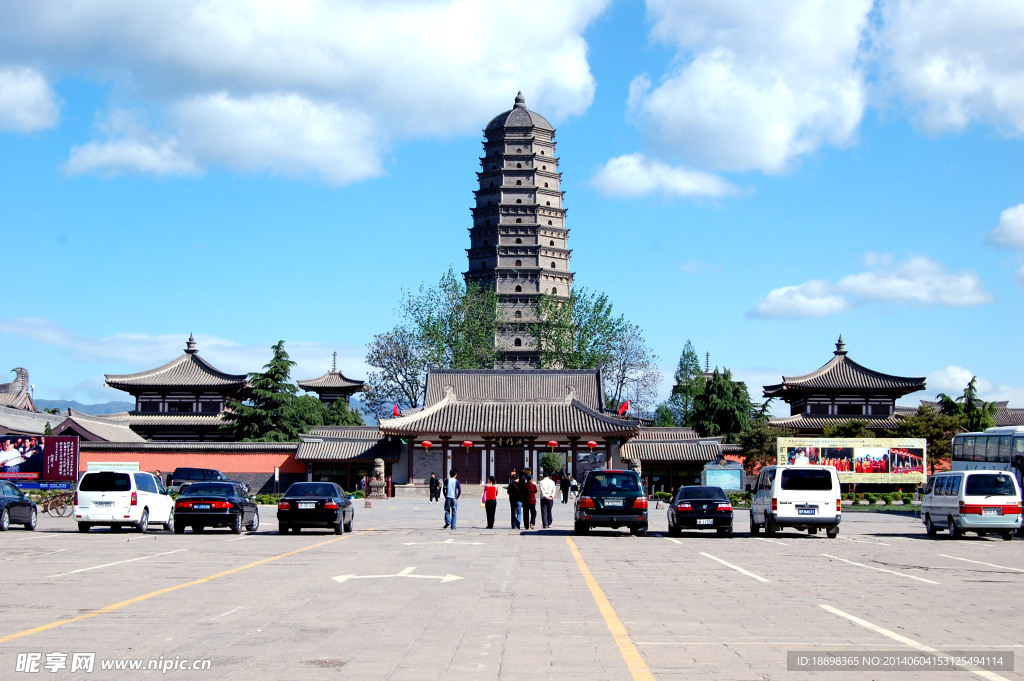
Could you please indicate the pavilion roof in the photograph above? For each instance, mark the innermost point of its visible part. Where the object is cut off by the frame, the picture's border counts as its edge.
(330, 380)
(188, 371)
(349, 443)
(516, 385)
(811, 422)
(94, 427)
(16, 393)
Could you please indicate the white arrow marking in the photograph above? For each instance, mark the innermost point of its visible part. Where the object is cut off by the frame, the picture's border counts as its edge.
(446, 541)
(407, 572)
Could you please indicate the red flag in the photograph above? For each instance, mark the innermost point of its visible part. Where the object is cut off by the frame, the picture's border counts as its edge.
(395, 411)
(624, 407)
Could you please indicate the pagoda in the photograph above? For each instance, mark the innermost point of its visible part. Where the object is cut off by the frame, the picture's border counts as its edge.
(333, 385)
(519, 241)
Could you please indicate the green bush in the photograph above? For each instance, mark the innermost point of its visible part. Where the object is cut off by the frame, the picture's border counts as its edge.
(662, 496)
(358, 494)
(270, 499)
(740, 498)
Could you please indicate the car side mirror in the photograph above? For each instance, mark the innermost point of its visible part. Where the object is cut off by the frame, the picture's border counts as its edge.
(750, 489)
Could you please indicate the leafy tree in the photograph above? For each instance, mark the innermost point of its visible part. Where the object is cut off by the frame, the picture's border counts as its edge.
(401, 381)
(260, 412)
(631, 372)
(976, 415)
(47, 430)
(759, 445)
(854, 428)
(723, 408)
(578, 333)
(690, 383)
(551, 462)
(52, 410)
(664, 417)
(937, 428)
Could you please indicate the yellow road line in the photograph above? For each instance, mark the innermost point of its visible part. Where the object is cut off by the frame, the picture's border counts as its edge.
(634, 660)
(153, 594)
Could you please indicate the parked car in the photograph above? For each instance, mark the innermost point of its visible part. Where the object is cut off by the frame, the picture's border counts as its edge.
(611, 498)
(215, 504)
(183, 477)
(122, 498)
(980, 501)
(315, 504)
(16, 508)
(804, 497)
(700, 508)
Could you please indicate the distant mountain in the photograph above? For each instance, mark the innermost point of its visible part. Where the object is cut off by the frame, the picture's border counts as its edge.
(105, 408)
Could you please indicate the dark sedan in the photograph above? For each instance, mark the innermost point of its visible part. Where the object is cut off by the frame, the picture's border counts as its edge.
(16, 508)
(315, 504)
(700, 508)
(215, 504)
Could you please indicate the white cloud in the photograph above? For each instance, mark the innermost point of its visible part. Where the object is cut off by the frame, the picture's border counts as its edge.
(753, 85)
(306, 88)
(1010, 230)
(917, 280)
(27, 102)
(635, 175)
(952, 380)
(958, 61)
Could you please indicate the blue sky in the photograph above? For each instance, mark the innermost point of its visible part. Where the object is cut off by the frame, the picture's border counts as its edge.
(756, 177)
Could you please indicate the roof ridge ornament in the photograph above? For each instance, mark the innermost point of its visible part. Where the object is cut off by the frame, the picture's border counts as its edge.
(190, 346)
(520, 100)
(570, 394)
(840, 346)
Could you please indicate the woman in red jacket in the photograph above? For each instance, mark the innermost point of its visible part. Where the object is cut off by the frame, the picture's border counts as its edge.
(490, 500)
(529, 492)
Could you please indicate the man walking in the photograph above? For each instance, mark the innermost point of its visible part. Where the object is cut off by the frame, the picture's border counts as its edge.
(435, 489)
(563, 485)
(452, 492)
(547, 499)
(515, 500)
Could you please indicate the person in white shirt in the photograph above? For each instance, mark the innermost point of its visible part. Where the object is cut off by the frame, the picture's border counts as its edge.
(547, 489)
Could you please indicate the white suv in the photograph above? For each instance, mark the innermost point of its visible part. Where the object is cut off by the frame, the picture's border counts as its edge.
(804, 497)
(119, 498)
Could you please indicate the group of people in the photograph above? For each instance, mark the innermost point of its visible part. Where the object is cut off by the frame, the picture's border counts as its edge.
(523, 494)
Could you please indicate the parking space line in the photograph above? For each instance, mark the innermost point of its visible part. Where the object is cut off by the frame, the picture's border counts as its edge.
(773, 541)
(872, 567)
(630, 654)
(968, 560)
(46, 536)
(152, 594)
(737, 568)
(864, 541)
(227, 613)
(130, 560)
(983, 673)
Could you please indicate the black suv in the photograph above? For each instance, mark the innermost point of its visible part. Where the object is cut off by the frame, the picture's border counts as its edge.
(611, 498)
(183, 477)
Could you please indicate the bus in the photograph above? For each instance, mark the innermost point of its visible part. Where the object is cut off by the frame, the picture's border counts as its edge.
(997, 449)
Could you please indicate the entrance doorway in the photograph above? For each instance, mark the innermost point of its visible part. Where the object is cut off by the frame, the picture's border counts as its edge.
(504, 461)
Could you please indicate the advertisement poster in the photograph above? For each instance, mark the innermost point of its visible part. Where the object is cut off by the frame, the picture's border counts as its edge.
(876, 460)
(34, 461)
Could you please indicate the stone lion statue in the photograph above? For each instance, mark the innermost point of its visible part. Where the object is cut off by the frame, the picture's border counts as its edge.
(378, 469)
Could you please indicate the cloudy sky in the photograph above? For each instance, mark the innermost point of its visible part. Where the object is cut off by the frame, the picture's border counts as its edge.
(757, 177)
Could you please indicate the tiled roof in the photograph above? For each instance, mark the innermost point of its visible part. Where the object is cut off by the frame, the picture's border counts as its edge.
(519, 117)
(339, 443)
(803, 422)
(16, 393)
(665, 434)
(109, 428)
(186, 419)
(452, 416)
(188, 371)
(843, 374)
(1008, 416)
(510, 385)
(695, 450)
(26, 422)
(332, 379)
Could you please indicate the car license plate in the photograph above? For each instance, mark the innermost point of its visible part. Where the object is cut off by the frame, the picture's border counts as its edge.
(613, 502)
(307, 504)
(104, 504)
(705, 521)
(201, 507)
(805, 511)
(991, 511)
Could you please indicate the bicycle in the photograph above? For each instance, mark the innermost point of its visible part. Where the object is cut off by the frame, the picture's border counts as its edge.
(59, 505)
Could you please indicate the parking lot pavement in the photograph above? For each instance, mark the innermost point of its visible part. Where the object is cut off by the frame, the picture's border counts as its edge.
(401, 598)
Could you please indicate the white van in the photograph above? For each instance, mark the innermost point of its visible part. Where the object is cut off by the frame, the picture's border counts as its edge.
(120, 498)
(803, 497)
(985, 502)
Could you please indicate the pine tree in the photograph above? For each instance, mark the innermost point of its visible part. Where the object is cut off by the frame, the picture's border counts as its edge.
(723, 408)
(262, 411)
(690, 383)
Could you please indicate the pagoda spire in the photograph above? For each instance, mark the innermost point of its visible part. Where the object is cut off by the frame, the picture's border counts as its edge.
(190, 346)
(840, 346)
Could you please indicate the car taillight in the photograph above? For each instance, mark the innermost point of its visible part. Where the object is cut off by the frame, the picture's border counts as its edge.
(1012, 510)
(725, 506)
(640, 502)
(182, 504)
(586, 502)
(76, 498)
(222, 504)
(331, 505)
(775, 504)
(283, 506)
(839, 505)
(135, 499)
(684, 506)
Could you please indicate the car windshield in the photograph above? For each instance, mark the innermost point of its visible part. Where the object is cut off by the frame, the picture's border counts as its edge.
(990, 484)
(804, 479)
(105, 481)
(613, 482)
(702, 493)
(311, 489)
(208, 489)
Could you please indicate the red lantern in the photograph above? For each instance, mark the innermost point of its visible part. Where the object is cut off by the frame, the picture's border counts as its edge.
(427, 444)
(591, 444)
(467, 444)
(552, 444)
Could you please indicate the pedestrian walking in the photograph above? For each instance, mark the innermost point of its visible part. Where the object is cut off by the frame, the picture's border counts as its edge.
(547, 500)
(528, 490)
(574, 487)
(515, 501)
(435, 489)
(452, 492)
(563, 486)
(490, 500)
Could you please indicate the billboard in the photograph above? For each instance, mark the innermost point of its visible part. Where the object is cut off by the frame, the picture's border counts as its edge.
(39, 461)
(890, 460)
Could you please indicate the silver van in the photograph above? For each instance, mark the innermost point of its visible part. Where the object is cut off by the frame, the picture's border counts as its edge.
(980, 501)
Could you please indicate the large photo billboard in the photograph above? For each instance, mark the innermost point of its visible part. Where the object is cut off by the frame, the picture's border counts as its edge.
(876, 460)
(39, 460)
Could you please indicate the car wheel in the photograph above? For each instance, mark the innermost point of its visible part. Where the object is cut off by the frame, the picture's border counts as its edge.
(5, 520)
(832, 532)
(33, 518)
(754, 527)
(769, 526)
(198, 529)
(339, 528)
(348, 525)
(179, 527)
(255, 524)
(675, 530)
(639, 531)
(84, 527)
(581, 528)
(1008, 535)
(236, 523)
(954, 531)
(144, 521)
(169, 525)
(929, 526)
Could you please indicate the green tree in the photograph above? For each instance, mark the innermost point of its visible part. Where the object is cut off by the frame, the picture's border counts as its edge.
(723, 408)
(551, 462)
(664, 417)
(937, 428)
(47, 430)
(260, 413)
(975, 414)
(690, 382)
(401, 379)
(854, 428)
(759, 445)
(578, 333)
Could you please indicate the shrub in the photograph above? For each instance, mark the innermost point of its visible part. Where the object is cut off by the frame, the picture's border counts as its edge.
(271, 499)
(662, 496)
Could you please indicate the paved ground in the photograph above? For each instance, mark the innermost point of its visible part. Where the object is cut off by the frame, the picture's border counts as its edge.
(415, 602)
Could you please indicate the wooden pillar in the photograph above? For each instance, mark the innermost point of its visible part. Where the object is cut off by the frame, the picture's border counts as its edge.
(446, 455)
(488, 469)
